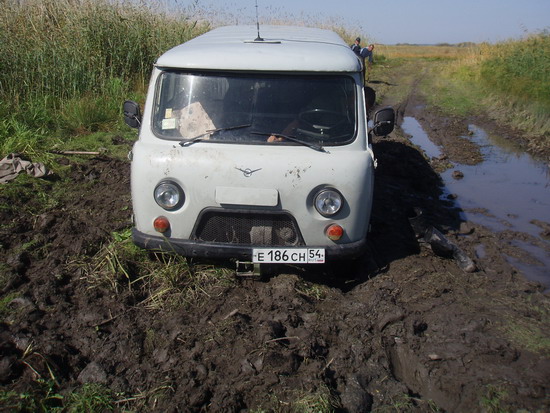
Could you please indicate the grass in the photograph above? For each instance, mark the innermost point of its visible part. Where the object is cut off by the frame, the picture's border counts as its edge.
(407, 403)
(529, 332)
(70, 48)
(45, 395)
(75, 63)
(314, 291)
(5, 303)
(90, 398)
(381, 78)
(424, 52)
(319, 400)
(158, 280)
(34, 194)
(493, 399)
(509, 82)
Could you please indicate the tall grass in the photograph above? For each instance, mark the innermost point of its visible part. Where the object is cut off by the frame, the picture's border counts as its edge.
(65, 48)
(513, 79)
(68, 64)
(519, 68)
(510, 81)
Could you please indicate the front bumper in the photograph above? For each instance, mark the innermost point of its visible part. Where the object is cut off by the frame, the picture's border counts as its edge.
(190, 248)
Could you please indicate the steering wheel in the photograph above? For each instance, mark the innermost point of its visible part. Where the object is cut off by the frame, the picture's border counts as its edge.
(322, 119)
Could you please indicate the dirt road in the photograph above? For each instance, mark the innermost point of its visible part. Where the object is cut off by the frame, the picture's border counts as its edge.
(404, 329)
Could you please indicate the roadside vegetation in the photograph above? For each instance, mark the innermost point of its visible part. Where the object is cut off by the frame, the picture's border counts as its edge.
(508, 81)
(67, 67)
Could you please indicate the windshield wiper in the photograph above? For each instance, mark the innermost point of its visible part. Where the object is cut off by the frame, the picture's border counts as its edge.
(210, 132)
(293, 139)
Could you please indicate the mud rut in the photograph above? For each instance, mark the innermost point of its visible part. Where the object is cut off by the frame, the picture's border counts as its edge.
(402, 328)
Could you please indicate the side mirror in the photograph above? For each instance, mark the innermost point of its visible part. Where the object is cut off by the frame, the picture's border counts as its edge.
(370, 97)
(132, 114)
(384, 121)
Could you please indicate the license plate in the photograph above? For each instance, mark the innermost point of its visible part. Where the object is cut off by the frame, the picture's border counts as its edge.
(288, 255)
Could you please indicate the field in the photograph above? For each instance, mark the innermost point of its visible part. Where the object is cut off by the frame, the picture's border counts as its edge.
(92, 323)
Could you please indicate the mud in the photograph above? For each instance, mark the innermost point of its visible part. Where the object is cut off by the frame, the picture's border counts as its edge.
(402, 329)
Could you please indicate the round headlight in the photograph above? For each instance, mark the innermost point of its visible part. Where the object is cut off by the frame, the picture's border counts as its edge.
(169, 195)
(328, 202)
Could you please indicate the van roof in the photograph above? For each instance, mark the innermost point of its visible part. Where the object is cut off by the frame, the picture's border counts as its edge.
(283, 48)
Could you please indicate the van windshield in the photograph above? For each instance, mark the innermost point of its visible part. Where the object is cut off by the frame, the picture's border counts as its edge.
(318, 110)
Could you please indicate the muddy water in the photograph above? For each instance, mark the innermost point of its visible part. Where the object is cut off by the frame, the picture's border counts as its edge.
(509, 190)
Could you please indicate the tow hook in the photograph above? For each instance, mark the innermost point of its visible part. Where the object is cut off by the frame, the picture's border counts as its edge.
(247, 269)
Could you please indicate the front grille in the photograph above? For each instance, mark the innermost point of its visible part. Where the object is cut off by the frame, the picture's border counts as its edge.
(248, 227)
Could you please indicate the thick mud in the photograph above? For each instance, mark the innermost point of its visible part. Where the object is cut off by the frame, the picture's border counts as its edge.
(403, 329)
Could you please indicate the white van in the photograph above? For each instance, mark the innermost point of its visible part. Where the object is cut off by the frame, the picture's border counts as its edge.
(256, 148)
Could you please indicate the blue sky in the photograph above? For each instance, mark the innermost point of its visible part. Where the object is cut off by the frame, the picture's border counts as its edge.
(399, 21)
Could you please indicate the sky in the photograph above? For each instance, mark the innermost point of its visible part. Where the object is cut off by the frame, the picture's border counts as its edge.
(400, 21)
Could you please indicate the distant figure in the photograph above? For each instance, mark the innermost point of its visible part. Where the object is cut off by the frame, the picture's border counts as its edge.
(356, 46)
(367, 54)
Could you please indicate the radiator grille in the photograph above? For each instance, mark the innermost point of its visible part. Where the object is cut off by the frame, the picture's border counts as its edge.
(248, 228)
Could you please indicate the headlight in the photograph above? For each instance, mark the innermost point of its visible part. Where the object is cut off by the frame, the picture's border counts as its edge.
(169, 195)
(328, 202)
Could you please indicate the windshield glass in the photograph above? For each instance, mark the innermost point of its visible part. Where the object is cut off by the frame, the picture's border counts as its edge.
(317, 110)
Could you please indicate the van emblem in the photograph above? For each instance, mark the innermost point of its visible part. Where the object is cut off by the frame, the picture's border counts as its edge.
(248, 172)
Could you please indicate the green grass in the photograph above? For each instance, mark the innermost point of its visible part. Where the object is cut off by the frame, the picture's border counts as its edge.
(519, 69)
(455, 91)
(44, 397)
(31, 192)
(407, 403)
(509, 81)
(317, 402)
(74, 63)
(529, 332)
(5, 302)
(493, 399)
(159, 280)
(65, 49)
(91, 397)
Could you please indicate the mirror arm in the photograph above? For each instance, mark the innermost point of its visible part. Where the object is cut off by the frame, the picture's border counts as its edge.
(133, 117)
(384, 122)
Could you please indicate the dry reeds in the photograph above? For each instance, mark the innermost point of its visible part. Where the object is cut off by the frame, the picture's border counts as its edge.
(64, 48)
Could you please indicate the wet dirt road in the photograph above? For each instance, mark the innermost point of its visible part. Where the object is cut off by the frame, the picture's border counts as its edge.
(508, 191)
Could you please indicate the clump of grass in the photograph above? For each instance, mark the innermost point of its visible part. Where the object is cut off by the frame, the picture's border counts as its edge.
(529, 332)
(312, 290)
(91, 397)
(157, 280)
(5, 302)
(493, 399)
(320, 401)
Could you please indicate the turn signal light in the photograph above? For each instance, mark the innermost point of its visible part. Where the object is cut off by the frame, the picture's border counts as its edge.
(334, 232)
(161, 224)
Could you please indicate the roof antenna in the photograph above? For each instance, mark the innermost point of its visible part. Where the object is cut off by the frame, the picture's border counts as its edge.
(258, 39)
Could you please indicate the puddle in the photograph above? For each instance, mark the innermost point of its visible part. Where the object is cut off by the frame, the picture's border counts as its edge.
(419, 137)
(507, 191)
